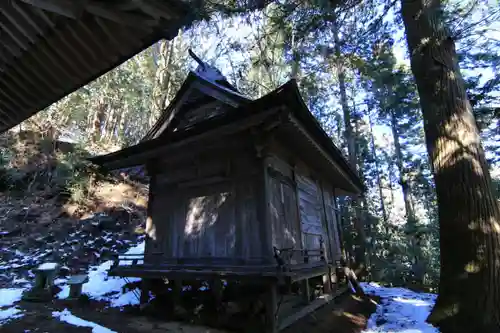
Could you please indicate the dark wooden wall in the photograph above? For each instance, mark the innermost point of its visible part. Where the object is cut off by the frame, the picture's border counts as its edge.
(302, 205)
(206, 206)
(223, 201)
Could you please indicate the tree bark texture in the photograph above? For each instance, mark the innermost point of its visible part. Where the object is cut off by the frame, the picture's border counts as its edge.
(377, 169)
(161, 90)
(403, 179)
(98, 121)
(360, 246)
(469, 216)
(409, 210)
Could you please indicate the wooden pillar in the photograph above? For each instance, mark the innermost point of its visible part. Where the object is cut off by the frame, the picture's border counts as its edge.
(327, 281)
(306, 291)
(145, 288)
(217, 290)
(263, 209)
(176, 290)
(271, 305)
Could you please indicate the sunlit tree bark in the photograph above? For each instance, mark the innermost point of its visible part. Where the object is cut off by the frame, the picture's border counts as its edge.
(469, 216)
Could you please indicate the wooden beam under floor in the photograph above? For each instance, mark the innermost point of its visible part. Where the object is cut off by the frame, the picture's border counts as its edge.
(311, 307)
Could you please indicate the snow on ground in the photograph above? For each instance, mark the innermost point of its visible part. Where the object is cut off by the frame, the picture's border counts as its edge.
(8, 297)
(400, 310)
(47, 266)
(99, 287)
(107, 288)
(69, 318)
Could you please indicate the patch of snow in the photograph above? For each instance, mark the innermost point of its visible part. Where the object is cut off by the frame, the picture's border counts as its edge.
(9, 314)
(129, 298)
(47, 266)
(401, 310)
(67, 317)
(20, 280)
(60, 281)
(125, 262)
(9, 296)
(100, 286)
(138, 249)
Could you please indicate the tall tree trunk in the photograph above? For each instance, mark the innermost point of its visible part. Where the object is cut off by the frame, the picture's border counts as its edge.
(98, 121)
(360, 252)
(417, 263)
(109, 125)
(469, 216)
(377, 170)
(162, 84)
(403, 178)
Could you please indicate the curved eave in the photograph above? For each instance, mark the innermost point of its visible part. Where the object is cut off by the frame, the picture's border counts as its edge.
(289, 94)
(50, 48)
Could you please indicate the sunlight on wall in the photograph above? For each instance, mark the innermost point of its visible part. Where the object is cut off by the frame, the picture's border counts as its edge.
(203, 213)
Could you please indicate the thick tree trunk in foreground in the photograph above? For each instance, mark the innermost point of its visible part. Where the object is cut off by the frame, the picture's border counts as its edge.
(469, 216)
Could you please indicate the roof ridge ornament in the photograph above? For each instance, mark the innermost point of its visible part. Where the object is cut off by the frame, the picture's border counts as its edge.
(207, 71)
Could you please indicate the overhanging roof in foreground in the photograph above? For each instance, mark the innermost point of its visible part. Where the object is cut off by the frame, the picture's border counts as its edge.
(50, 48)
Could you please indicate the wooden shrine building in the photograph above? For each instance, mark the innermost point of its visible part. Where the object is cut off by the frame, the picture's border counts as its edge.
(240, 189)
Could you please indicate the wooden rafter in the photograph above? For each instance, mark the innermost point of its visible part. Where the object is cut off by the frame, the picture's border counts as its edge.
(62, 52)
(28, 78)
(84, 45)
(64, 39)
(44, 17)
(10, 47)
(112, 37)
(27, 17)
(6, 114)
(73, 9)
(56, 61)
(61, 7)
(10, 97)
(7, 10)
(123, 18)
(7, 98)
(52, 47)
(14, 35)
(94, 37)
(154, 9)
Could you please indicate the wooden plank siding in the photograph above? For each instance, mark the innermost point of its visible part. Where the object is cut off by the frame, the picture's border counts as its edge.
(301, 208)
(206, 208)
(309, 196)
(332, 224)
(315, 205)
(285, 222)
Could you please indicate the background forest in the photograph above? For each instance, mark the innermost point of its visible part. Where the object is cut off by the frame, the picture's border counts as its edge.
(351, 63)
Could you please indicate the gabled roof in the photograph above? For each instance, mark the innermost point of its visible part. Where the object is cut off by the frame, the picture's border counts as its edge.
(50, 48)
(196, 86)
(247, 113)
